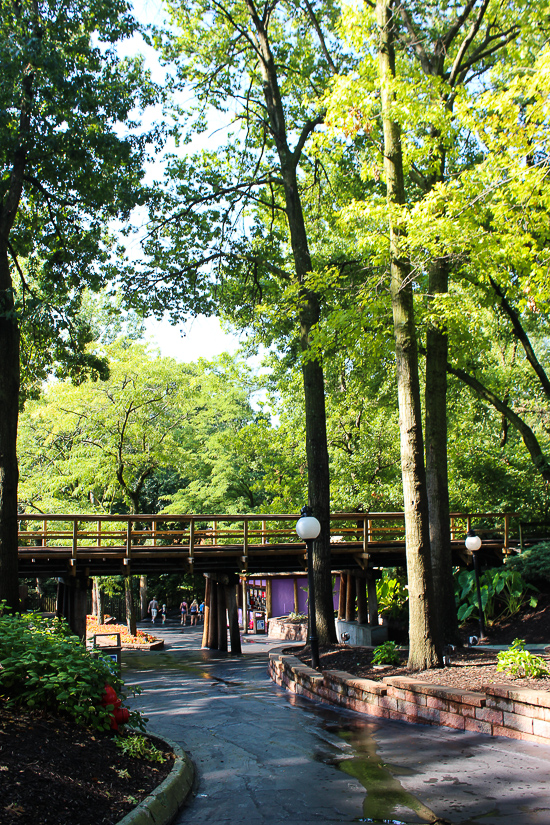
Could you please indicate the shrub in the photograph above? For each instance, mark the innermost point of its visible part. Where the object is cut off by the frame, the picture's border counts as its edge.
(140, 748)
(503, 594)
(532, 564)
(520, 663)
(386, 654)
(44, 666)
(393, 595)
(296, 617)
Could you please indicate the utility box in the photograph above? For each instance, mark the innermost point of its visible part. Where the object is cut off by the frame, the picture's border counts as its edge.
(107, 648)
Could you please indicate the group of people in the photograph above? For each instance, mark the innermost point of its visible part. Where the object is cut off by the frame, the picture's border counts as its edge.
(195, 611)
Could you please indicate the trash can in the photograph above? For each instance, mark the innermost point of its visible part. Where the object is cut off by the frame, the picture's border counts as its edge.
(112, 651)
(259, 623)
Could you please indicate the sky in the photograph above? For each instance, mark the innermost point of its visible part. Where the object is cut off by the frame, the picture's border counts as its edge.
(199, 337)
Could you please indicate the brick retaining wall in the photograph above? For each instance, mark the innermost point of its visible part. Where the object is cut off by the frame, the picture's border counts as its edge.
(502, 710)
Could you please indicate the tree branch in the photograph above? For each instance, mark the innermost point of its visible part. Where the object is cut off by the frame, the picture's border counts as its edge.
(522, 337)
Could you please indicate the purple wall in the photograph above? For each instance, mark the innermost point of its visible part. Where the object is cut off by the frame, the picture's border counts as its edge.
(282, 595)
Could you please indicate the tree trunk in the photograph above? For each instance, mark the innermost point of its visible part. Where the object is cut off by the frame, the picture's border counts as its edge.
(424, 644)
(437, 481)
(9, 405)
(312, 370)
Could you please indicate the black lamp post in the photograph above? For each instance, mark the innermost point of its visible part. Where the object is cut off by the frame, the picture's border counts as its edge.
(308, 528)
(473, 543)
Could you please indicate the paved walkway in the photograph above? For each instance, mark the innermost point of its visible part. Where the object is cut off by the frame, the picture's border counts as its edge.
(264, 757)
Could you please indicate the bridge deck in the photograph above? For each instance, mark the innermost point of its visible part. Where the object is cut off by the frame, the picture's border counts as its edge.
(55, 545)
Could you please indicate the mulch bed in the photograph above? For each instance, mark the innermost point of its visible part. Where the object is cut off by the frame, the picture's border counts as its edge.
(470, 669)
(55, 773)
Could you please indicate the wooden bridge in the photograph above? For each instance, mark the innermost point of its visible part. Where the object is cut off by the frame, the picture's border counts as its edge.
(96, 545)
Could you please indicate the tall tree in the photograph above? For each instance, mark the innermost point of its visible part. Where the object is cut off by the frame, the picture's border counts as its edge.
(65, 173)
(424, 640)
(444, 54)
(242, 205)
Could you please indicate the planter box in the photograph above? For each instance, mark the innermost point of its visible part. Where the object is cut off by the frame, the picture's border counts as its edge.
(281, 628)
(361, 635)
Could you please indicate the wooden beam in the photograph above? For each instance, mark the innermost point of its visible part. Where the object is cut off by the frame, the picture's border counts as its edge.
(206, 618)
(222, 617)
(342, 597)
(233, 617)
(350, 598)
(361, 592)
(372, 600)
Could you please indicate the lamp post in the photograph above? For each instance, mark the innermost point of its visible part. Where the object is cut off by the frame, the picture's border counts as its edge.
(473, 543)
(308, 528)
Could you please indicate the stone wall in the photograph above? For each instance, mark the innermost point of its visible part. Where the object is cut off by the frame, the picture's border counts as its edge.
(518, 713)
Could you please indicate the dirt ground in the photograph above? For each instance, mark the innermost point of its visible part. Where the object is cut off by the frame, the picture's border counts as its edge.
(55, 773)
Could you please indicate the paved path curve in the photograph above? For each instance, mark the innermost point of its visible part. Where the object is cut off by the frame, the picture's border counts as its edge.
(264, 757)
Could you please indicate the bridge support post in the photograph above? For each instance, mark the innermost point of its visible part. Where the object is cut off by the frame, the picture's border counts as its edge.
(342, 597)
(222, 617)
(245, 607)
(212, 633)
(362, 610)
(233, 617)
(206, 617)
(221, 605)
(72, 594)
(372, 599)
(350, 598)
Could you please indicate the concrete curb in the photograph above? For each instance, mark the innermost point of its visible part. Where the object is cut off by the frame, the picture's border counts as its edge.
(162, 805)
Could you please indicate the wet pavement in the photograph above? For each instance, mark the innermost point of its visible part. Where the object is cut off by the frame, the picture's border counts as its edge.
(266, 757)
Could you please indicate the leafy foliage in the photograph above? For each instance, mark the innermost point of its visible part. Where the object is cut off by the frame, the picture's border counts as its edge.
(71, 160)
(520, 663)
(44, 666)
(503, 594)
(140, 748)
(96, 446)
(533, 564)
(296, 617)
(386, 654)
(392, 594)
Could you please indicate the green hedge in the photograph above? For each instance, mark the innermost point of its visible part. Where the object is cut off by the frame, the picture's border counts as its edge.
(43, 666)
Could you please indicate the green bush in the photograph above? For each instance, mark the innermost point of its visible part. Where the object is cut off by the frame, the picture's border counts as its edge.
(520, 663)
(43, 666)
(503, 594)
(532, 564)
(393, 595)
(386, 654)
(140, 748)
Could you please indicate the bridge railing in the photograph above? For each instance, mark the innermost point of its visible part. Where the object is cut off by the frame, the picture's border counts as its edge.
(210, 534)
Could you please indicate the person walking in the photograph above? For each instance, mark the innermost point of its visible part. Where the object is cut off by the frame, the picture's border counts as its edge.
(184, 609)
(153, 609)
(201, 611)
(194, 611)
(163, 613)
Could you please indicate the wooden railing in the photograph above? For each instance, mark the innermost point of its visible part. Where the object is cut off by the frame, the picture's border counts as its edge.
(85, 539)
